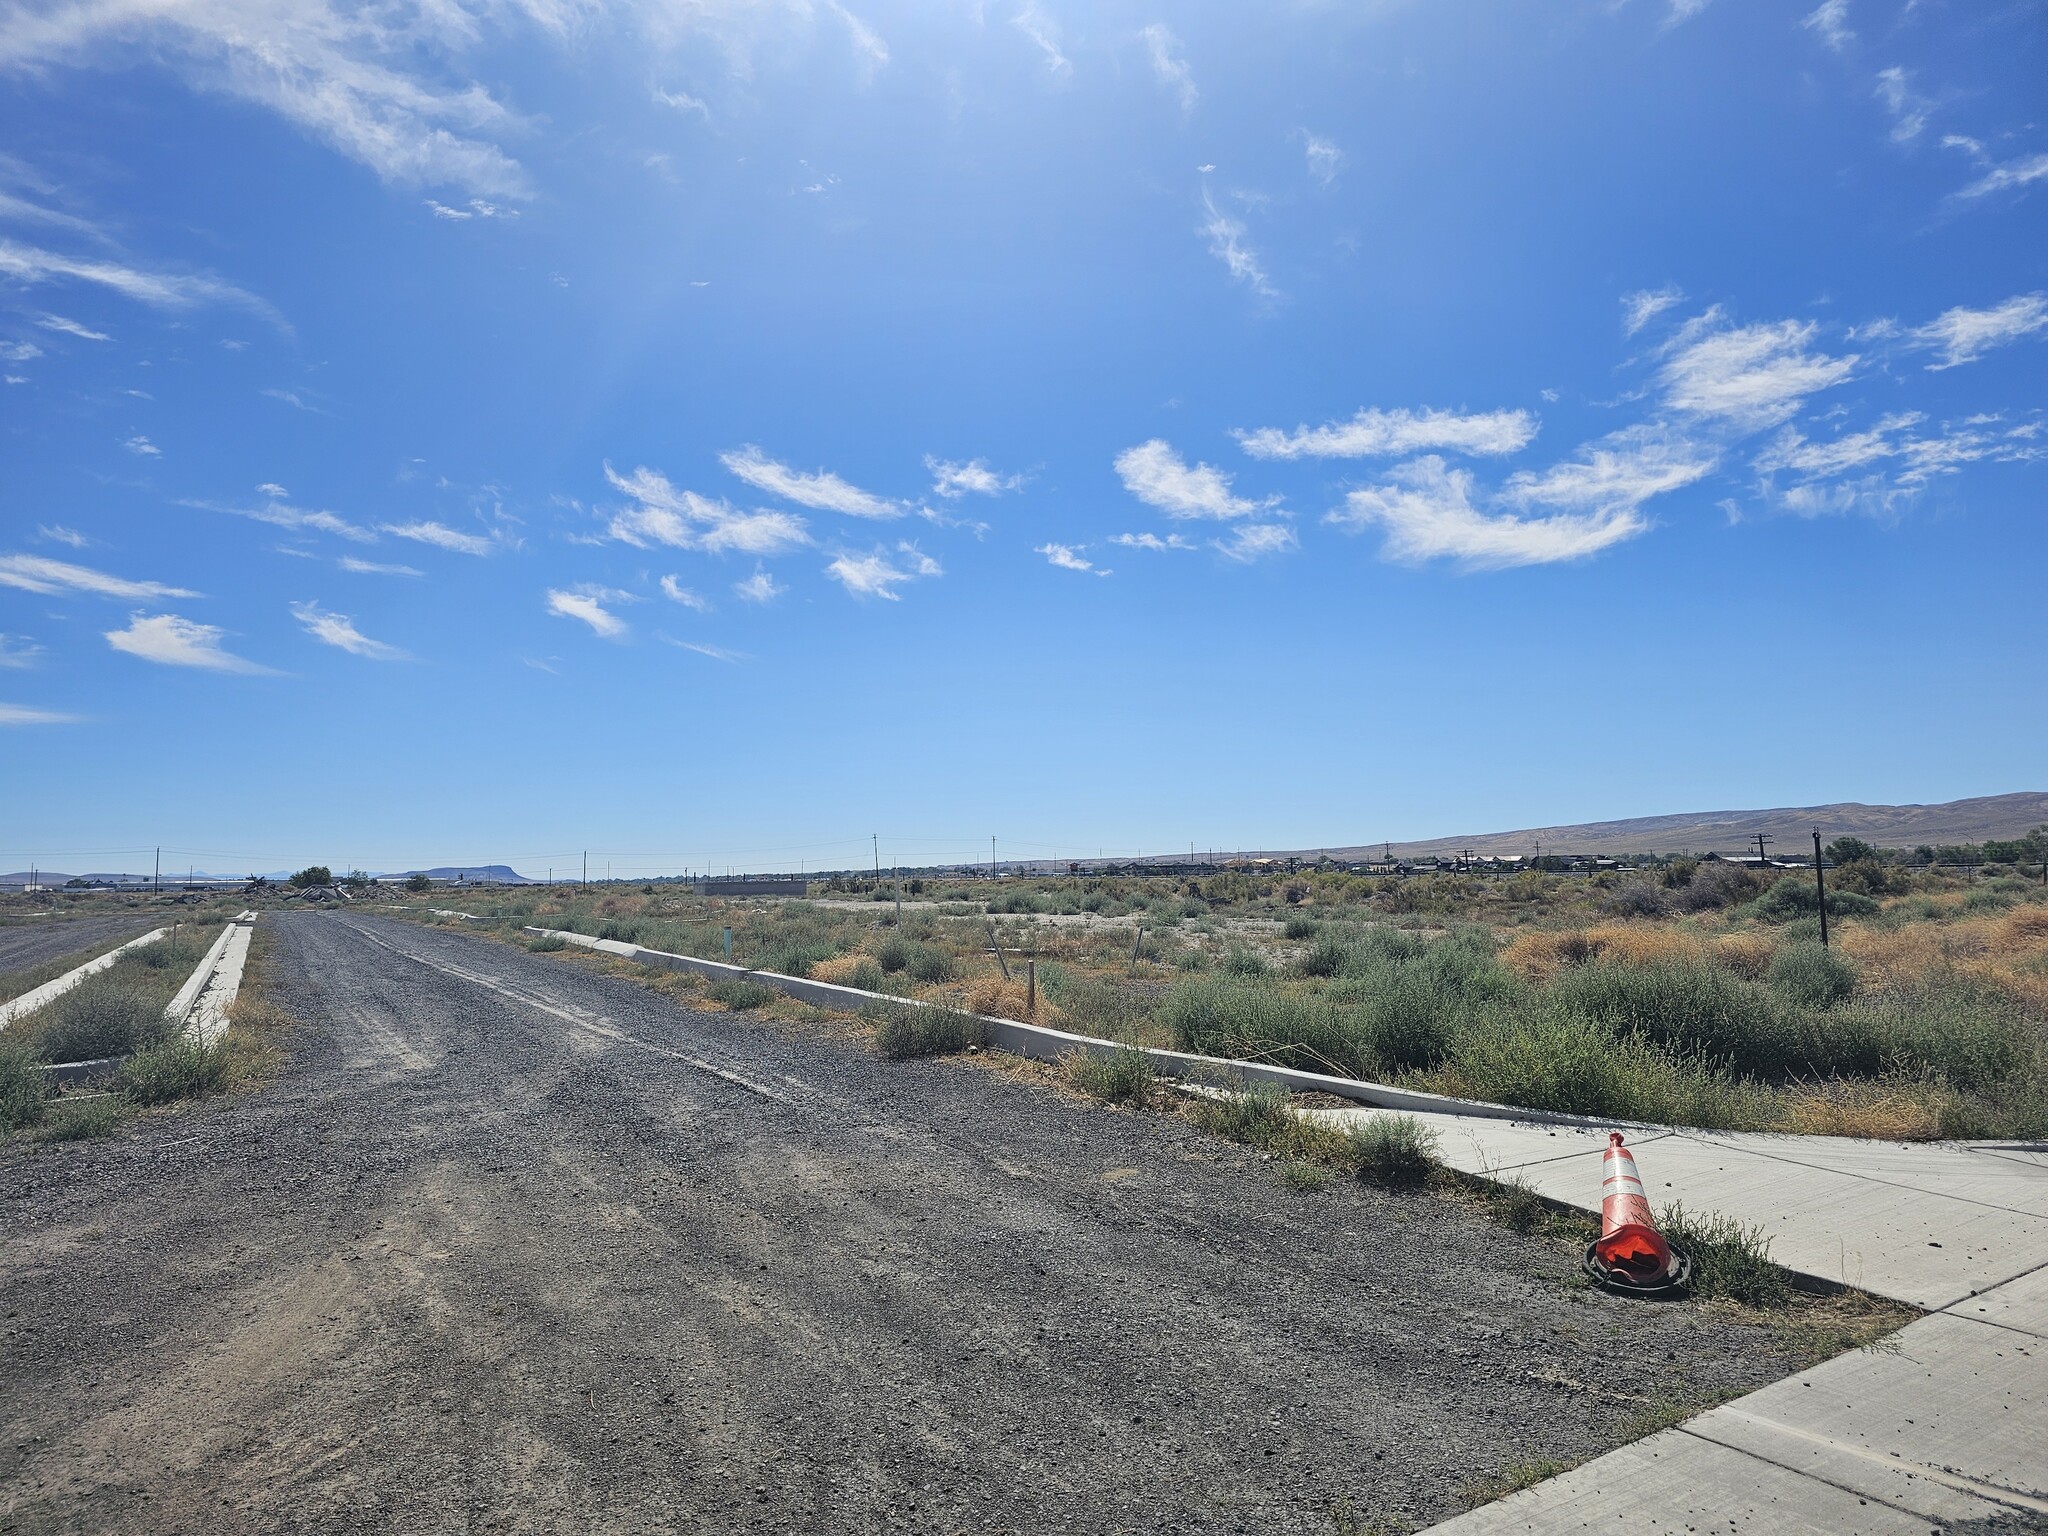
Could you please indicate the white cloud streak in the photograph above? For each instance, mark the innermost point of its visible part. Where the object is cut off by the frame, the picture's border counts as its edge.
(1226, 238)
(1428, 513)
(357, 567)
(2002, 178)
(586, 605)
(22, 714)
(64, 326)
(879, 572)
(1373, 433)
(339, 631)
(1160, 478)
(161, 290)
(1964, 335)
(1044, 34)
(1908, 108)
(17, 653)
(1151, 541)
(679, 519)
(823, 490)
(1069, 557)
(1325, 159)
(676, 592)
(34, 573)
(441, 537)
(1255, 541)
(953, 481)
(171, 641)
(1169, 64)
(758, 588)
(1830, 22)
(1640, 308)
(1751, 376)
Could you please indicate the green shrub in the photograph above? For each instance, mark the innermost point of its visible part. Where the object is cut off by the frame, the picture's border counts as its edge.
(1117, 1077)
(740, 993)
(1325, 957)
(904, 1032)
(796, 957)
(179, 1068)
(546, 943)
(1258, 1117)
(931, 965)
(1393, 1149)
(1812, 976)
(418, 882)
(1245, 962)
(1099, 1008)
(83, 1119)
(1232, 1018)
(893, 954)
(1690, 1006)
(1794, 896)
(1728, 1259)
(1301, 926)
(21, 1086)
(867, 975)
(99, 1019)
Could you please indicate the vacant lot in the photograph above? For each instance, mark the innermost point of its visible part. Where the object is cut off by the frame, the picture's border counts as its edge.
(1695, 994)
(510, 1245)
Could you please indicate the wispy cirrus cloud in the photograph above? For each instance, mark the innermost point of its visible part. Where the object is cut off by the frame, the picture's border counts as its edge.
(23, 714)
(339, 631)
(1908, 108)
(1228, 244)
(1160, 478)
(1151, 541)
(1614, 476)
(34, 573)
(1044, 34)
(881, 571)
(1069, 557)
(19, 351)
(2023, 172)
(676, 592)
(1963, 335)
(1170, 64)
(953, 481)
(1325, 159)
(1748, 376)
(1255, 541)
(663, 514)
(821, 489)
(1428, 511)
(357, 567)
(57, 533)
(171, 641)
(1376, 433)
(440, 536)
(1638, 309)
(65, 326)
(276, 510)
(18, 652)
(761, 587)
(142, 446)
(477, 208)
(1830, 22)
(715, 652)
(30, 264)
(586, 604)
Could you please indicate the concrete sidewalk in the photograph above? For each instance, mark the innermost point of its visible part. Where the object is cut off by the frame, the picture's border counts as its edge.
(1945, 1425)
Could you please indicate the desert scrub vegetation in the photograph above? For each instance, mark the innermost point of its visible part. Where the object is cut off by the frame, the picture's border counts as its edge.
(1689, 991)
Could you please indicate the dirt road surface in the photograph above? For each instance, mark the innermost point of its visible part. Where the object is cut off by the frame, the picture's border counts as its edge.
(510, 1246)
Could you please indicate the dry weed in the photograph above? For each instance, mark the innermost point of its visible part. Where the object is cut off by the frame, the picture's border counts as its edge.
(1884, 1111)
(997, 998)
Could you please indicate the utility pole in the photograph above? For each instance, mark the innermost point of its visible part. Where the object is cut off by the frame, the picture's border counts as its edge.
(1820, 888)
(1763, 858)
(991, 855)
(877, 837)
(156, 879)
(586, 869)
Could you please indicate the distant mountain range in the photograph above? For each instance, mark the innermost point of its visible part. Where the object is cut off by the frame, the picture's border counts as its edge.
(1790, 829)
(503, 874)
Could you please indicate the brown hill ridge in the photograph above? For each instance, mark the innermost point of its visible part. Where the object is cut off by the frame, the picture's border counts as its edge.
(1790, 827)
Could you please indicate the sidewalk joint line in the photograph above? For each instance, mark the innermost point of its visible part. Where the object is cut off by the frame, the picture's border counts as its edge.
(1868, 1178)
(1995, 1493)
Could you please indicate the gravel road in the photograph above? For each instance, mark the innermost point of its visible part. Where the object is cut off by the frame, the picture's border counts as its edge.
(33, 943)
(512, 1246)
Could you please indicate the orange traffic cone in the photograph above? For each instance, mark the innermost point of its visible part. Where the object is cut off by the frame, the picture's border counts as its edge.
(1631, 1254)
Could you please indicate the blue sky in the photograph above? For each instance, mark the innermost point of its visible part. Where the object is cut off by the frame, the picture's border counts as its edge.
(712, 433)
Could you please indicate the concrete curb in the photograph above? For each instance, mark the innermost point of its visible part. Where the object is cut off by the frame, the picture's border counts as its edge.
(201, 1006)
(50, 991)
(1041, 1043)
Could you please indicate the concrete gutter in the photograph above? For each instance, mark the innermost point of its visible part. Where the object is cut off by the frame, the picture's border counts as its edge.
(200, 1010)
(50, 991)
(1041, 1043)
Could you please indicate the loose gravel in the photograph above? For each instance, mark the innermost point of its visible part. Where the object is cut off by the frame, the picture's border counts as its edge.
(31, 944)
(514, 1246)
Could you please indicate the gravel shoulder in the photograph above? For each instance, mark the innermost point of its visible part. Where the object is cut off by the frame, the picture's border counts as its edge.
(513, 1246)
(27, 944)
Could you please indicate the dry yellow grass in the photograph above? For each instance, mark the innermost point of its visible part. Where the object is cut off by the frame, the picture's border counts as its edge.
(1886, 1111)
(838, 970)
(997, 998)
(1538, 956)
(1748, 955)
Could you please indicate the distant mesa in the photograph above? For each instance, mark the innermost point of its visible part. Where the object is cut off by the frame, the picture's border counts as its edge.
(490, 874)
